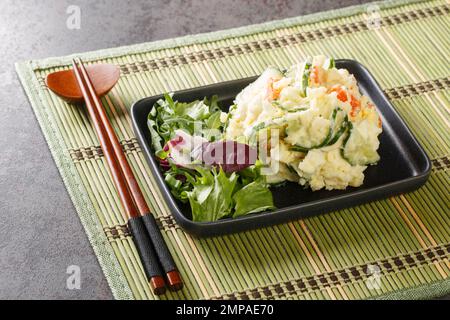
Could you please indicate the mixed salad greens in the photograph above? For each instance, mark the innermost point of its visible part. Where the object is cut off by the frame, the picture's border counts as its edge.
(228, 183)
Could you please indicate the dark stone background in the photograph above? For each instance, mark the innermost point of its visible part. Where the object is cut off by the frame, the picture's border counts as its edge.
(40, 233)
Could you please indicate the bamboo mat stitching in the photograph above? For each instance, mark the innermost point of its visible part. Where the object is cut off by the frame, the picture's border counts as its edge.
(272, 43)
(344, 276)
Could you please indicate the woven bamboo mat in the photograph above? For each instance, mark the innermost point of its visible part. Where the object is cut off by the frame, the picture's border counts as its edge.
(394, 248)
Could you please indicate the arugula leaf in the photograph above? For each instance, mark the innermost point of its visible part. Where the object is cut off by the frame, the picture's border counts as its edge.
(252, 198)
(252, 173)
(196, 110)
(213, 122)
(213, 126)
(213, 130)
(168, 115)
(156, 138)
(211, 196)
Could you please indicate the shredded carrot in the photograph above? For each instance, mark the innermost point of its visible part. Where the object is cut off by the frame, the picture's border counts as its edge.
(276, 93)
(315, 75)
(272, 93)
(341, 93)
(356, 105)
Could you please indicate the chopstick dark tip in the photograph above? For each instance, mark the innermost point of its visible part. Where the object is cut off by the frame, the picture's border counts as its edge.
(158, 285)
(174, 280)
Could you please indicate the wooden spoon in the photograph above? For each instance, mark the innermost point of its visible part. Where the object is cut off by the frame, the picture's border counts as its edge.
(64, 83)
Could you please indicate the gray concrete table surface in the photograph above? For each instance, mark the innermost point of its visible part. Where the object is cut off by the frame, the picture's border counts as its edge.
(40, 233)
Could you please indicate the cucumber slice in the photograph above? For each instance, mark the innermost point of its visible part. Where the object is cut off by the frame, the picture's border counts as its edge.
(329, 64)
(350, 129)
(261, 126)
(362, 156)
(291, 169)
(278, 105)
(266, 125)
(297, 110)
(305, 78)
(298, 148)
(332, 136)
(342, 129)
(325, 141)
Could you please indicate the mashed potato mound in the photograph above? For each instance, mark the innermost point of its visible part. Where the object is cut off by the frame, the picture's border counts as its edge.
(328, 131)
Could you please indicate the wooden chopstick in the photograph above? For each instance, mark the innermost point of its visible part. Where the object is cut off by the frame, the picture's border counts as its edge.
(162, 251)
(137, 228)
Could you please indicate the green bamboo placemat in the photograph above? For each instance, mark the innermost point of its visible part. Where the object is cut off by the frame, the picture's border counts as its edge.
(394, 248)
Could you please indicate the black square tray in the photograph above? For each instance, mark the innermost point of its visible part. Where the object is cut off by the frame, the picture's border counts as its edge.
(404, 165)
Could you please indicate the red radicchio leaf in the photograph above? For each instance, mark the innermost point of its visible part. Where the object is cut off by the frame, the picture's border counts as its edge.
(177, 140)
(164, 164)
(173, 143)
(181, 177)
(232, 156)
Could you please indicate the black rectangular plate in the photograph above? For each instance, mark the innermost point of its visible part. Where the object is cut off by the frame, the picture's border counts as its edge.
(404, 165)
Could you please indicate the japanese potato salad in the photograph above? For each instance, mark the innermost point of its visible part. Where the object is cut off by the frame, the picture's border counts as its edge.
(326, 135)
(328, 130)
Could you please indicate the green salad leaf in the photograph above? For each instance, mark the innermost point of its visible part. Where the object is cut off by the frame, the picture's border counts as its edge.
(156, 138)
(211, 197)
(251, 173)
(168, 115)
(252, 198)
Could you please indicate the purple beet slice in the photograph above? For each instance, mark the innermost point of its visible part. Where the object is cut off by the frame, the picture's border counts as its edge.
(232, 156)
